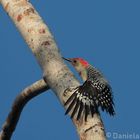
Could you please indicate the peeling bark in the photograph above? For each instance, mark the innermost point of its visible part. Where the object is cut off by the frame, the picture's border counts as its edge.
(55, 72)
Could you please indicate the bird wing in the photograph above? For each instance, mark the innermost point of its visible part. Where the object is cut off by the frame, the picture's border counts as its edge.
(104, 96)
(88, 97)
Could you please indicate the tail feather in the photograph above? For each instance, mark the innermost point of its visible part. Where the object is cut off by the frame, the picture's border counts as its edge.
(111, 111)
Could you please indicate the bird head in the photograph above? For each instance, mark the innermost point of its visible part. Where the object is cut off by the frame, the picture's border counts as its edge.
(80, 65)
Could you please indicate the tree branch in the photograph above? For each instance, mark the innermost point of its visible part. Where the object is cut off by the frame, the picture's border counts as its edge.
(21, 100)
(56, 73)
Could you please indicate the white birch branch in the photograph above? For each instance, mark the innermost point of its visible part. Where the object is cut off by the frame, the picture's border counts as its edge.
(56, 73)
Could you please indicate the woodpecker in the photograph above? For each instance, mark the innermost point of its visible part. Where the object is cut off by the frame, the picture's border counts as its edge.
(93, 94)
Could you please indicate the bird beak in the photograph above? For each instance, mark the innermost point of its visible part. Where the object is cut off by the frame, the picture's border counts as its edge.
(69, 60)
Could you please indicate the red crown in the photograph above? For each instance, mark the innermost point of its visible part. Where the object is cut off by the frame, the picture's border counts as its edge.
(83, 62)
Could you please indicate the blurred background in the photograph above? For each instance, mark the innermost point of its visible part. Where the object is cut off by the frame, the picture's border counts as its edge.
(106, 33)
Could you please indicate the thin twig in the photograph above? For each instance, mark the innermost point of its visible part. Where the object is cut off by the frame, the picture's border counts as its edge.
(21, 100)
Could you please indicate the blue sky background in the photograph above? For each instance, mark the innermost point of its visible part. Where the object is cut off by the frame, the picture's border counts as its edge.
(106, 33)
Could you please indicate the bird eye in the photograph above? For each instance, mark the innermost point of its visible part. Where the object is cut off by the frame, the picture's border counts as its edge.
(74, 61)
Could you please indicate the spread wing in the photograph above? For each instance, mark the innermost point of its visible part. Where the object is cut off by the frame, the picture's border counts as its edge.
(88, 97)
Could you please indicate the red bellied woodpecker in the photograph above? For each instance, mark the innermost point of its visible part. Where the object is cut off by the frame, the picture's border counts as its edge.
(94, 93)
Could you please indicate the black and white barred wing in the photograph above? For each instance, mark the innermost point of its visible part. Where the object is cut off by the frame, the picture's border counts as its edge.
(82, 101)
(87, 98)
